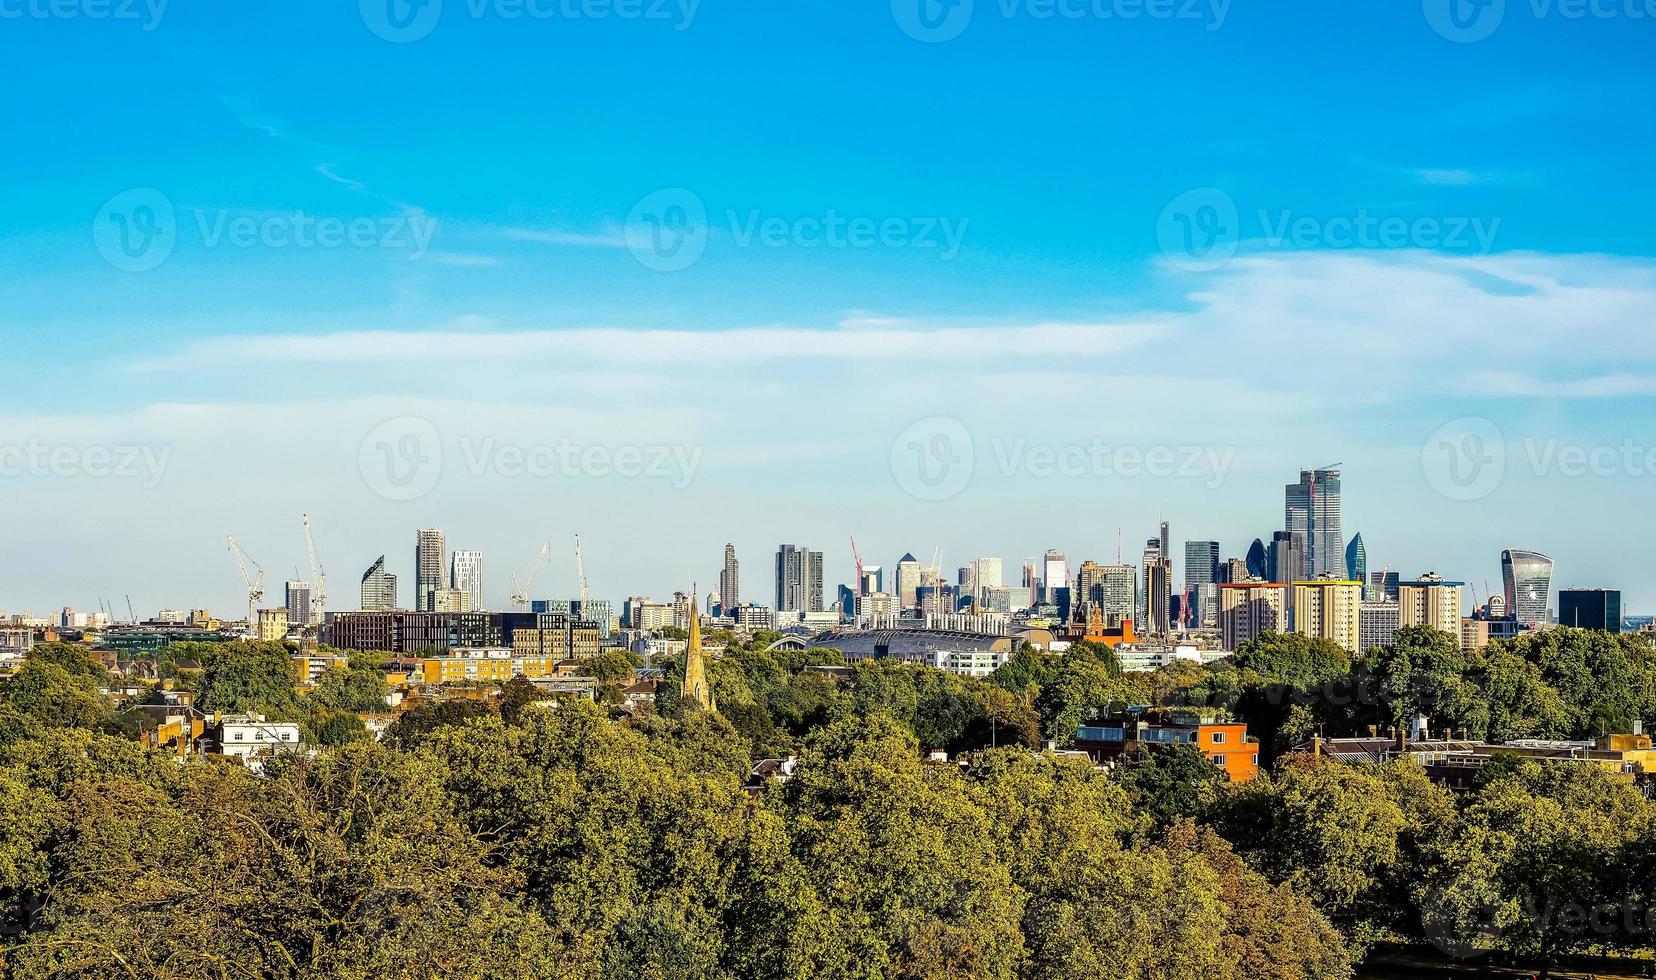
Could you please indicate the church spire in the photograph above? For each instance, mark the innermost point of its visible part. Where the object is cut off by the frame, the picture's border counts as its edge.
(696, 686)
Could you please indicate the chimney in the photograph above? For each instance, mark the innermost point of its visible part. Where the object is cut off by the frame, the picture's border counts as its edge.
(1638, 726)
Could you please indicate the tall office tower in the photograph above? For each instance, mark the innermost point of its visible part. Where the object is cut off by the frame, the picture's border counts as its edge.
(1258, 562)
(1089, 586)
(730, 591)
(1311, 514)
(1158, 595)
(1287, 562)
(1032, 580)
(1328, 609)
(1201, 569)
(379, 588)
(990, 573)
(1234, 570)
(1590, 609)
(466, 575)
(908, 580)
(1247, 609)
(873, 580)
(298, 603)
(1430, 601)
(429, 554)
(1528, 579)
(1119, 593)
(1356, 562)
(1383, 585)
(1054, 573)
(798, 579)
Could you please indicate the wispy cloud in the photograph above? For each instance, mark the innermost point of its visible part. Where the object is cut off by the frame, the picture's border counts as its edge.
(609, 237)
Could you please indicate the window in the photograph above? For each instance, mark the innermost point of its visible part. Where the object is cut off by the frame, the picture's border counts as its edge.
(240, 735)
(1218, 738)
(1219, 759)
(1256, 758)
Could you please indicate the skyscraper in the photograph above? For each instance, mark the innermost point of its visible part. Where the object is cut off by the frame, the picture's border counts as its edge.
(1311, 515)
(1158, 593)
(1528, 579)
(379, 588)
(873, 579)
(429, 554)
(730, 591)
(908, 581)
(1201, 570)
(1054, 573)
(466, 575)
(298, 603)
(1259, 564)
(1286, 562)
(1356, 561)
(1430, 601)
(1383, 585)
(798, 579)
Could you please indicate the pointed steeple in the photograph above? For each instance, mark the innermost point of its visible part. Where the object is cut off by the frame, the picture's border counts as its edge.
(695, 671)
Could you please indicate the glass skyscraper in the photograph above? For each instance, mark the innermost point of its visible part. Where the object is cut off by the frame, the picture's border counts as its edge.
(1527, 576)
(1311, 515)
(1356, 561)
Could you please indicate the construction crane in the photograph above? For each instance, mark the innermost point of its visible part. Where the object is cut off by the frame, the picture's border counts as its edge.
(132, 617)
(580, 576)
(319, 578)
(520, 599)
(856, 589)
(255, 584)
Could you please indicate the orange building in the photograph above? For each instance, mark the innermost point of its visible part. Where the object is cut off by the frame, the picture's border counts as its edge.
(1226, 744)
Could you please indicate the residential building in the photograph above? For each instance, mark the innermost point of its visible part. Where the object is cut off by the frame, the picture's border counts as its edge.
(466, 575)
(1311, 514)
(1592, 609)
(756, 617)
(1328, 609)
(1247, 609)
(298, 598)
(1132, 736)
(1430, 601)
(730, 585)
(1527, 576)
(1234, 570)
(272, 624)
(252, 737)
(450, 601)
(430, 575)
(1376, 623)
(798, 579)
(379, 588)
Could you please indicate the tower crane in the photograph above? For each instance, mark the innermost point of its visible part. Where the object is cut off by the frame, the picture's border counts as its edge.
(856, 588)
(255, 584)
(580, 576)
(520, 598)
(319, 578)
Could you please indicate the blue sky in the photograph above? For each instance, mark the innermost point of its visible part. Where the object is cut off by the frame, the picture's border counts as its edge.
(1033, 177)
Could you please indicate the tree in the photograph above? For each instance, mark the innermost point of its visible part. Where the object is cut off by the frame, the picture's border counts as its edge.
(248, 679)
(51, 695)
(339, 689)
(1173, 782)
